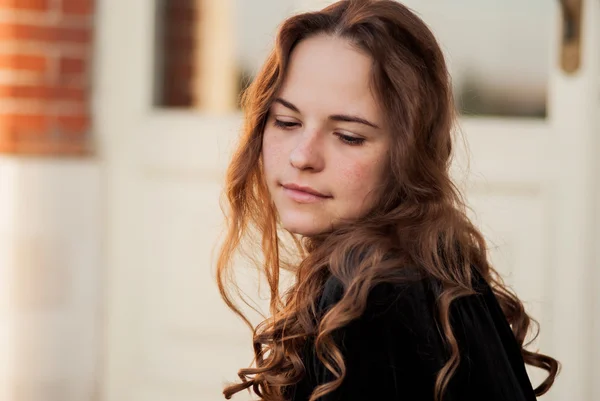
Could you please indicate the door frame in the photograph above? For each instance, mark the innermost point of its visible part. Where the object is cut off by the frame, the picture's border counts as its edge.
(133, 137)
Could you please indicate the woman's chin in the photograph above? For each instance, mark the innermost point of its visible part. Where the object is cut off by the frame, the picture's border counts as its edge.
(302, 230)
(305, 227)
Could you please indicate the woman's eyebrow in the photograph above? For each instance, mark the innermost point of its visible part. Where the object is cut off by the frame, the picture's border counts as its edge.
(287, 104)
(335, 117)
(352, 119)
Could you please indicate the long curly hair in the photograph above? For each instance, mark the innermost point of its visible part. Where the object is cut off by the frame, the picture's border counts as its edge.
(420, 220)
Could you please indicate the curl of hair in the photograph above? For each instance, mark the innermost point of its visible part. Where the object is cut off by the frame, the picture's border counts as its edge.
(419, 221)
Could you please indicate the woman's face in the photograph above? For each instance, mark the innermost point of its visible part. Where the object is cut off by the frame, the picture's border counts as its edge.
(325, 134)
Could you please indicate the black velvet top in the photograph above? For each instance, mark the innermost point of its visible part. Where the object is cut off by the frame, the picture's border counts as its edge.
(395, 350)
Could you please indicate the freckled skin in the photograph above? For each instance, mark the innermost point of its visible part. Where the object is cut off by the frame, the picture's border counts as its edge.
(326, 76)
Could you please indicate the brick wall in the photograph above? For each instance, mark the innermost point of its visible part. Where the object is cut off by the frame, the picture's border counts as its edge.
(45, 62)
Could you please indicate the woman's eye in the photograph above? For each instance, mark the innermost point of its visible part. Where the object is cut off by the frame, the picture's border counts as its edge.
(285, 124)
(351, 140)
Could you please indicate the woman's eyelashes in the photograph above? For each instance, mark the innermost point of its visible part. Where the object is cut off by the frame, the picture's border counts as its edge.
(285, 124)
(347, 139)
(350, 140)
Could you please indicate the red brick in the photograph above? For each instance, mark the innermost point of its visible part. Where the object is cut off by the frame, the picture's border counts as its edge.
(78, 7)
(39, 92)
(23, 62)
(33, 5)
(43, 134)
(19, 124)
(69, 65)
(74, 124)
(7, 138)
(45, 146)
(39, 133)
(12, 31)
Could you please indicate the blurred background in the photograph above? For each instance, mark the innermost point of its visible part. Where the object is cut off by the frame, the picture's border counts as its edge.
(117, 119)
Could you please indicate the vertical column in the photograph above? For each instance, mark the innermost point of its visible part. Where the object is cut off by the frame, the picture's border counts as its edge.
(50, 208)
(45, 52)
(573, 113)
(215, 77)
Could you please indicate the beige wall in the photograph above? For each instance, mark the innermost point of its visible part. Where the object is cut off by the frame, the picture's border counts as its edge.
(51, 279)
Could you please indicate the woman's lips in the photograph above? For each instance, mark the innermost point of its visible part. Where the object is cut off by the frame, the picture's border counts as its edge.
(303, 197)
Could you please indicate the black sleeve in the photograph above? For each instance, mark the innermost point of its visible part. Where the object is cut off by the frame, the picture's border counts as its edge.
(395, 350)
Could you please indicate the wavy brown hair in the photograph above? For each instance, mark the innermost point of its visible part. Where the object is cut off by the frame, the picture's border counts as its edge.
(420, 220)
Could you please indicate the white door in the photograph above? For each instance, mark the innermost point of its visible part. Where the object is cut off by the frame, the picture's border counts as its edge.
(532, 189)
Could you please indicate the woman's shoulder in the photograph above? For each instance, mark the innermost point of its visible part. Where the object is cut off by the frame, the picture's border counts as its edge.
(401, 328)
(409, 287)
(411, 293)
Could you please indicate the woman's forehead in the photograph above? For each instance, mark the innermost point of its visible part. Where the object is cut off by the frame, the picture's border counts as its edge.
(328, 74)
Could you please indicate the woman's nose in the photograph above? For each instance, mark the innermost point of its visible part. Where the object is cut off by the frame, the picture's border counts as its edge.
(307, 153)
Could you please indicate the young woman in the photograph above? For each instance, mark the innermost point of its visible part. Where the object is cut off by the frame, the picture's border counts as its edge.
(346, 147)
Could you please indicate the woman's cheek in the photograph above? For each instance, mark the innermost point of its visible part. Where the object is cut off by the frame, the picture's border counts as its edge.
(273, 154)
(357, 180)
(355, 176)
